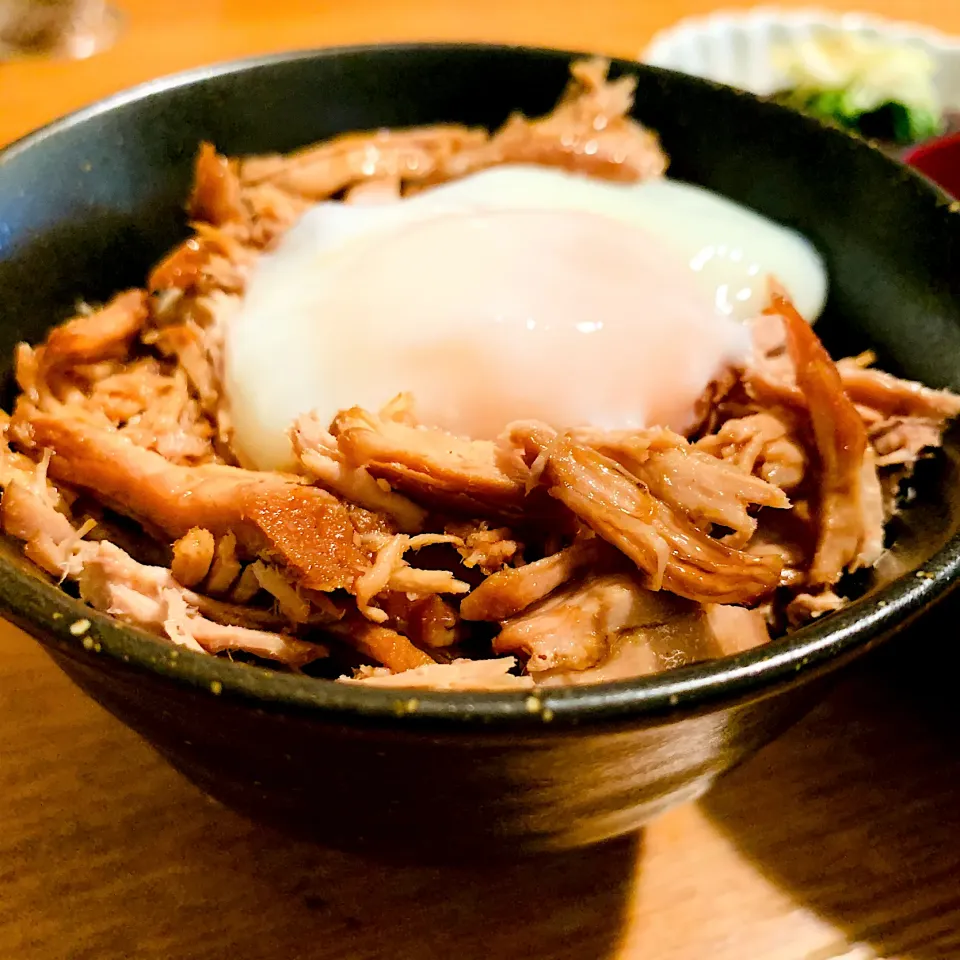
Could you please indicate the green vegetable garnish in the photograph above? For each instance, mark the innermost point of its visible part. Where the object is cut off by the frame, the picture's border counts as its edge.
(881, 91)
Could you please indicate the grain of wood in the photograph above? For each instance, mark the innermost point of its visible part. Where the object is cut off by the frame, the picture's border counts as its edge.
(839, 842)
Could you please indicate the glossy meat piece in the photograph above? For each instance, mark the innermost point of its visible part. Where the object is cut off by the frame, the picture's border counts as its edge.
(485, 548)
(319, 171)
(391, 572)
(429, 621)
(766, 444)
(302, 527)
(319, 455)
(306, 531)
(513, 589)
(589, 132)
(679, 633)
(850, 501)
(891, 396)
(693, 482)
(381, 644)
(576, 628)
(429, 465)
(216, 195)
(113, 582)
(664, 544)
(104, 334)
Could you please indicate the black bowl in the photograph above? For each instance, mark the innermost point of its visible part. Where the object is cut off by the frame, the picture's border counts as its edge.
(89, 203)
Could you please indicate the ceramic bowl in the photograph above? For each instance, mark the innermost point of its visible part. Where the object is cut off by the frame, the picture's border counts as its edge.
(89, 203)
(734, 46)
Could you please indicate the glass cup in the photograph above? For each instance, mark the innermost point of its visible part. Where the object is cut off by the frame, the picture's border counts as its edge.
(70, 29)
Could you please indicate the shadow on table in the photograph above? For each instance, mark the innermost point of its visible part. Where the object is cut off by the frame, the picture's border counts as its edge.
(199, 883)
(563, 906)
(857, 810)
(106, 853)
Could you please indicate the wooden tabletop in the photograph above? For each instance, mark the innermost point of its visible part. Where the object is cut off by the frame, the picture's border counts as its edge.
(839, 842)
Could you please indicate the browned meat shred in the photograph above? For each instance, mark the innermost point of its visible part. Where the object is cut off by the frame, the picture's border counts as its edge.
(320, 455)
(411, 556)
(382, 644)
(765, 444)
(511, 590)
(666, 545)
(103, 335)
(306, 528)
(488, 549)
(318, 172)
(425, 462)
(891, 396)
(192, 556)
(573, 630)
(217, 195)
(307, 531)
(849, 496)
(588, 132)
(705, 488)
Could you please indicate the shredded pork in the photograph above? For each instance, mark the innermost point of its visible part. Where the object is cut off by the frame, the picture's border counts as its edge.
(400, 555)
(666, 545)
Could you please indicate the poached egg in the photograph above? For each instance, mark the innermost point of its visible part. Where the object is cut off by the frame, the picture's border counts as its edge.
(518, 292)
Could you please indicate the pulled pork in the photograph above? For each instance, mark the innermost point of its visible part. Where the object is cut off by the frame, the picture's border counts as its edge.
(405, 556)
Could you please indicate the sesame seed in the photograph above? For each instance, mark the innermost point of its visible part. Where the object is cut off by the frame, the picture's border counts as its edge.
(533, 705)
(79, 627)
(216, 688)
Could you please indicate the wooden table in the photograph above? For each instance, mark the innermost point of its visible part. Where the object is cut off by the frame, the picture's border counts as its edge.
(839, 842)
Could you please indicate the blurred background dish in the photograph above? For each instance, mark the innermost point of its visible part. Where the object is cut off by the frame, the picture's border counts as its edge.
(898, 83)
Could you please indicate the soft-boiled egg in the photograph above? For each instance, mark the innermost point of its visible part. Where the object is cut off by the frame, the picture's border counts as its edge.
(518, 292)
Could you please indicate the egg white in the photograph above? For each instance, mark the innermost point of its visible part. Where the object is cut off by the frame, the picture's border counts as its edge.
(516, 292)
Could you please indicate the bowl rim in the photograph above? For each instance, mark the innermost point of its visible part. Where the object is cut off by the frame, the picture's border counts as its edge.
(69, 627)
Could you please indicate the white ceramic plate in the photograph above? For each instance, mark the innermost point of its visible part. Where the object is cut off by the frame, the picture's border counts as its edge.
(734, 46)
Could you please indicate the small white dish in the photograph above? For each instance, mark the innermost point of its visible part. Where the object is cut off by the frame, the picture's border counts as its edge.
(734, 47)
